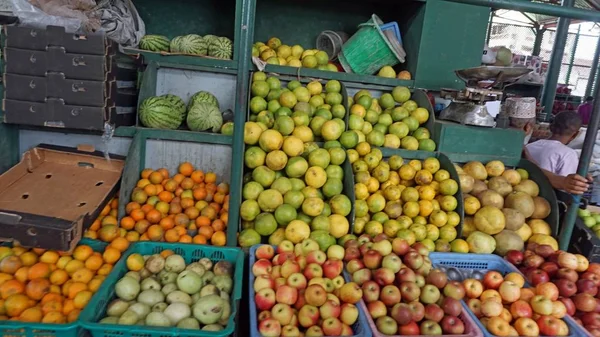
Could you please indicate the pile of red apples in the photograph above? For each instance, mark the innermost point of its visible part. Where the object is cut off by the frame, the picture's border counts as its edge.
(402, 293)
(300, 290)
(577, 281)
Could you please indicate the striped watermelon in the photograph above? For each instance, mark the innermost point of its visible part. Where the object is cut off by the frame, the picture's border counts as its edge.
(210, 38)
(221, 48)
(204, 116)
(203, 97)
(178, 103)
(155, 43)
(159, 113)
(175, 46)
(193, 44)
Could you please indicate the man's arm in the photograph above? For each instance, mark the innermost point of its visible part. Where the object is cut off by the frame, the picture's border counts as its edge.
(573, 183)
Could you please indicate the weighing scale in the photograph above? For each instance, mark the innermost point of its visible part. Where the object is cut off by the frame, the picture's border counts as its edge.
(483, 84)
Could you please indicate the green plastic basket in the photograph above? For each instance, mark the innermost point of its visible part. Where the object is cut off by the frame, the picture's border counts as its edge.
(368, 50)
(96, 309)
(23, 329)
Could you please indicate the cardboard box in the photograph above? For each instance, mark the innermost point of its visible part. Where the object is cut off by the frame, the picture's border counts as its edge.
(50, 197)
(40, 39)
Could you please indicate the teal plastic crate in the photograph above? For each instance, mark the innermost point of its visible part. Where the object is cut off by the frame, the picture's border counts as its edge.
(96, 309)
(23, 329)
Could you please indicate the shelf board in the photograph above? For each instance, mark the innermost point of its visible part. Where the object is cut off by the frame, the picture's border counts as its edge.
(215, 65)
(340, 76)
(176, 135)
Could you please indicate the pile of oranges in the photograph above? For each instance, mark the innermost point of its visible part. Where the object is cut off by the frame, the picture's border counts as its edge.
(38, 285)
(188, 207)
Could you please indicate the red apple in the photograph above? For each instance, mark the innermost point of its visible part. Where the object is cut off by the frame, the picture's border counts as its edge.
(410, 329)
(550, 267)
(285, 246)
(451, 306)
(354, 265)
(265, 252)
(286, 295)
(510, 291)
(351, 243)
(455, 289)
(390, 295)
(269, 328)
(492, 280)
(406, 275)
(521, 308)
(262, 267)
(537, 276)
(400, 246)
(587, 286)
(566, 288)
(410, 291)
(333, 268)
(401, 313)
(473, 288)
(452, 325)
(526, 327)
(265, 299)
(594, 268)
(544, 250)
(280, 258)
(330, 309)
(591, 318)
(438, 278)
(420, 248)
(371, 291)
(534, 261)
(548, 289)
(376, 309)
(313, 270)
(591, 276)
(316, 256)
(417, 310)
(584, 302)
(548, 325)
(413, 260)
(361, 276)
(384, 276)
(515, 257)
(567, 274)
(308, 316)
(372, 259)
(434, 312)
(352, 253)
(474, 305)
(262, 282)
(569, 305)
(567, 260)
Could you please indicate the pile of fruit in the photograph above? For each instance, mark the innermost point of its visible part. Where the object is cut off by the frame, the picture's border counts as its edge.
(389, 72)
(274, 52)
(162, 290)
(402, 293)
(414, 201)
(292, 188)
(503, 209)
(301, 290)
(392, 120)
(169, 112)
(568, 277)
(191, 44)
(38, 285)
(108, 216)
(506, 307)
(590, 219)
(188, 207)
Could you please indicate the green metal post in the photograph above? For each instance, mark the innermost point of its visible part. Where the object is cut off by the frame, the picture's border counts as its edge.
(539, 37)
(573, 50)
(243, 80)
(593, 78)
(489, 30)
(537, 7)
(582, 170)
(560, 39)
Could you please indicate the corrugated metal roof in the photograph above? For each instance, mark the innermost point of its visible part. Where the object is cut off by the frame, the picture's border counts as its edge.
(551, 20)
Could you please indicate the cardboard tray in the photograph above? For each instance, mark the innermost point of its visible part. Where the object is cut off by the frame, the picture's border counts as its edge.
(40, 39)
(54, 193)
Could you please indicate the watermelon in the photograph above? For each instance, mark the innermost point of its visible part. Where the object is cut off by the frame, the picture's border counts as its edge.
(178, 103)
(203, 97)
(221, 48)
(193, 44)
(175, 46)
(210, 38)
(159, 113)
(204, 116)
(155, 43)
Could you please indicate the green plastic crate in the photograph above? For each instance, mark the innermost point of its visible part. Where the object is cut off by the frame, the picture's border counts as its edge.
(22, 329)
(96, 309)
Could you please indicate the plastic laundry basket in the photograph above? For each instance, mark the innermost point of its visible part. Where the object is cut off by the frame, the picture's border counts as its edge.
(368, 50)
(331, 42)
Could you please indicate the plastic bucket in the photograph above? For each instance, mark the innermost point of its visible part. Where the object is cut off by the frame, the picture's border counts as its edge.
(368, 50)
(331, 42)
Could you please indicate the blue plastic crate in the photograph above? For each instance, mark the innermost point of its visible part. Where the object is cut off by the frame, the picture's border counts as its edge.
(487, 262)
(360, 328)
(95, 310)
(392, 26)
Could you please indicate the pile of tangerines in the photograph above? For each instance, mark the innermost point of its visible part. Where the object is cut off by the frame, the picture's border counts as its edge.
(188, 207)
(38, 285)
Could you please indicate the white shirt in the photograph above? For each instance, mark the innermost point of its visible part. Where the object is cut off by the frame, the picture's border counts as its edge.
(554, 156)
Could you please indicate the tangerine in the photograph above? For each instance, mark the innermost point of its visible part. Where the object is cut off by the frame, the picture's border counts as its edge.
(38, 270)
(156, 177)
(218, 239)
(120, 244)
(145, 174)
(11, 287)
(54, 317)
(21, 274)
(111, 255)
(155, 233)
(83, 275)
(15, 304)
(210, 177)
(164, 172)
(37, 288)
(10, 264)
(82, 252)
(32, 315)
(59, 277)
(131, 206)
(206, 231)
(153, 216)
(185, 239)
(142, 226)
(202, 221)
(172, 235)
(199, 239)
(186, 169)
(127, 223)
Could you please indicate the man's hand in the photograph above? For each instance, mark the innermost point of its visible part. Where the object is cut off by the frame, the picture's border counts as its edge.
(575, 184)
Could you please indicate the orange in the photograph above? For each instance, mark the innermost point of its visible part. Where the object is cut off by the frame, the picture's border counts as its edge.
(54, 317)
(137, 214)
(142, 226)
(51, 297)
(82, 252)
(172, 235)
(95, 225)
(164, 172)
(162, 207)
(167, 223)
(73, 266)
(73, 315)
(111, 255)
(166, 253)
(28, 258)
(171, 185)
(33, 315)
(150, 190)
(219, 198)
(206, 231)
(109, 220)
(131, 206)
(10, 264)
(146, 173)
(187, 202)
(219, 239)
(199, 193)
(135, 262)
(91, 235)
(209, 212)
(192, 212)
(105, 269)
(186, 169)
(22, 274)
(187, 184)
(94, 262)
(153, 216)
(166, 196)
(62, 262)
(37, 288)
(11, 287)
(52, 306)
(132, 236)
(120, 244)
(5, 277)
(210, 177)
(82, 275)
(147, 208)
(202, 221)
(185, 239)
(182, 220)
(68, 306)
(16, 304)
(75, 288)
(199, 239)
(156, 177)
(108, 233)
(178, 178)
(216, 206)
(178, 191)
(174, 208)
(105, 210)
(38, 270)
(54, 289)
(197, 176)
(224, 217)
(144, 237)
(155, 233)
(218, 225)
(95, 283)
(223, 188)
(127, 222)
(59, 277)
(114, 213)
(82, 298)
(38, 251)
(181, 230)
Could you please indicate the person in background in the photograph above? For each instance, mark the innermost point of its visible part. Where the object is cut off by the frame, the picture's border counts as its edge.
(585, 110)
(558, 161)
